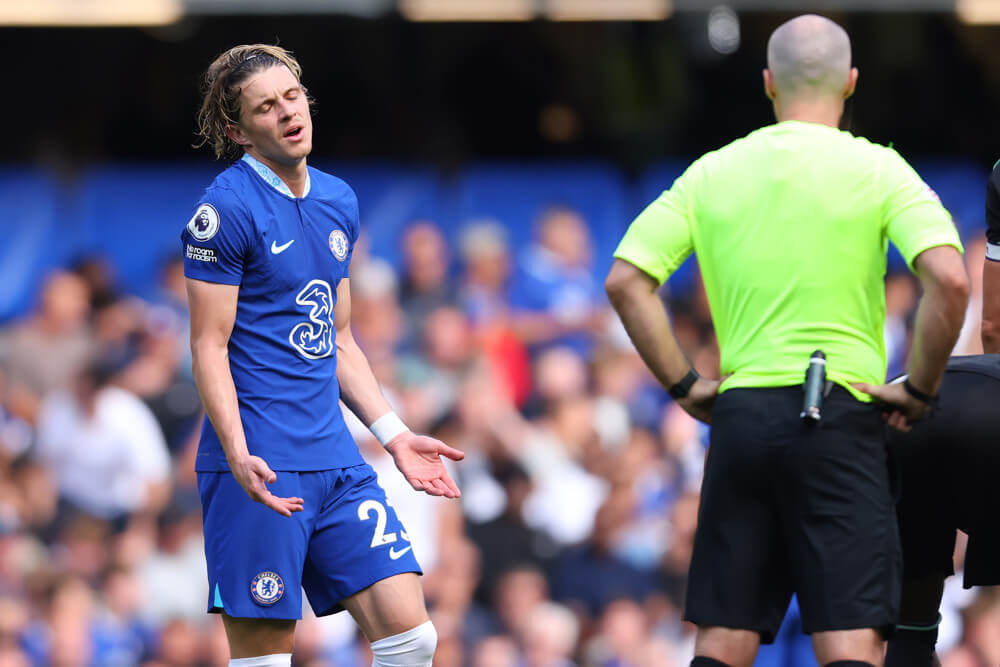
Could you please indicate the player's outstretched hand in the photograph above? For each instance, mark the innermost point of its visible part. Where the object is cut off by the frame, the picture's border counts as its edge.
(903, 409)
(254, 475)
(418, 457)
(701, 398)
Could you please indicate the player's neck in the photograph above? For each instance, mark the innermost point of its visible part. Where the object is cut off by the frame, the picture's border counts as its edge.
(294, 176)
(822, 112)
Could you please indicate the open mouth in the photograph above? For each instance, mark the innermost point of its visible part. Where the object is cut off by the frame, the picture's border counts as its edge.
(294, 132)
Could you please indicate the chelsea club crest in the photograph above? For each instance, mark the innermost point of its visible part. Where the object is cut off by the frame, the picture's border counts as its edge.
(267, 588)
(338, 244)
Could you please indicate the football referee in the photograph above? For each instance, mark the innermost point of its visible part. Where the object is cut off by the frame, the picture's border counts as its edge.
(790, 226)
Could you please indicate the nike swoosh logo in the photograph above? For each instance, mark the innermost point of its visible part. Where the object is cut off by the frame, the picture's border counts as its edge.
(278, 249)
(396, 555)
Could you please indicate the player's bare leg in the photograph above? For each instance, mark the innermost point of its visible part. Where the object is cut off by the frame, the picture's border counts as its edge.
(393, 616)
(864, 646)
(389, 606)
(252, 637)
(734, 648)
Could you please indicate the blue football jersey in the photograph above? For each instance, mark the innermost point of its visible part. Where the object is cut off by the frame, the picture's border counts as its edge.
(287, 255)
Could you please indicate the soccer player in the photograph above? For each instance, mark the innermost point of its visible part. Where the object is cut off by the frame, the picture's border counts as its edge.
(955, 454)
(948, 467)
(790, 226)
(288, 502)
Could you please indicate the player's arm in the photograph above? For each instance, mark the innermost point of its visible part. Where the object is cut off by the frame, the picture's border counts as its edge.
(213, 314)
(991, 266)
(416, 456)
(991, 305)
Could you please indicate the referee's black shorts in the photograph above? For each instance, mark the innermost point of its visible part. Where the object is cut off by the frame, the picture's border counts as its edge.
(787, 508)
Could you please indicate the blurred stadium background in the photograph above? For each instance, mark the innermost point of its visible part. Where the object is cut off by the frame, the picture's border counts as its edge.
(499, 148)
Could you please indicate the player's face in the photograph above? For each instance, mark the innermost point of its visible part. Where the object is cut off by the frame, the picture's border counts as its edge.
(275, 123)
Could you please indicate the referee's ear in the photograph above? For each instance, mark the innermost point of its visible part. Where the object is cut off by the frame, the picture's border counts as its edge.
(769, 88)
(852, 82)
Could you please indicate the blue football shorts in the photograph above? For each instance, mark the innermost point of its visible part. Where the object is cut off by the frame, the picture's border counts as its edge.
(346, 538)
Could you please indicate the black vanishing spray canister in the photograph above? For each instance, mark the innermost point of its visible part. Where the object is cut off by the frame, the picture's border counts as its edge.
(815, 385)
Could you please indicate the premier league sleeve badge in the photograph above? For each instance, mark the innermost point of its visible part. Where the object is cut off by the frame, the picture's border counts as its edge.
(204, 224)
(267, 588)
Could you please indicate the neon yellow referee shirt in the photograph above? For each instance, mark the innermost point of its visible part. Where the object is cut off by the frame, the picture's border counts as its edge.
(790, 225)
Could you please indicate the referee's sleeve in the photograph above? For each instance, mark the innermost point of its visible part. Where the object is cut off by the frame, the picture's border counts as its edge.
(993, 215)
(660, 239)
(914, 218)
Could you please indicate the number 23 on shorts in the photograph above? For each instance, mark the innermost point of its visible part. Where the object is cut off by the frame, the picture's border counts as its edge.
(380, 537)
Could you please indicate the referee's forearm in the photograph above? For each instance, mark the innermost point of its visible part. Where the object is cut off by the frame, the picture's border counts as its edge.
(939, 321)
(646, 321)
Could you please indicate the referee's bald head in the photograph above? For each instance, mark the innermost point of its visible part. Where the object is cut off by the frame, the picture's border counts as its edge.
(810, 56)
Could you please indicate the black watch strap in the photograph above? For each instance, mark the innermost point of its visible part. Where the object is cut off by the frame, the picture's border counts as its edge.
(917, 394)
(681, 389)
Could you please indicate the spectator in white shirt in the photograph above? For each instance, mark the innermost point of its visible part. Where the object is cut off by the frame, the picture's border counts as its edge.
(104, 447)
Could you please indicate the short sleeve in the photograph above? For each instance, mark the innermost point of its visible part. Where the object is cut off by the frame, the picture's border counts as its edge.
(993, 215)
(216, 240)
(353, 222)
(660, 239)
(914, 218)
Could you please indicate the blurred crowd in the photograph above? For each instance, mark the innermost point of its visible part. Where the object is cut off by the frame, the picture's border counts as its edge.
(570, 544)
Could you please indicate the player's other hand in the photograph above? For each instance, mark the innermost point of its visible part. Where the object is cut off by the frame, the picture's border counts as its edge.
(902, 409)
(418, 457)
(254, 475)
(701, 398)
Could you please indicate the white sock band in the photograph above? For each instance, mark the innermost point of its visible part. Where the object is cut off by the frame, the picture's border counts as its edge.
(387, 427)
(413, 648)
(273, 660)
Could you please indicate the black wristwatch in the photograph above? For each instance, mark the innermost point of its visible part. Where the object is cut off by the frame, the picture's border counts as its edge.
(919, 395)
(681, 389)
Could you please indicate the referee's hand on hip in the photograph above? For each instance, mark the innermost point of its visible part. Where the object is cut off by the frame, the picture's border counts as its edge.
(701, 398)
(901, 408)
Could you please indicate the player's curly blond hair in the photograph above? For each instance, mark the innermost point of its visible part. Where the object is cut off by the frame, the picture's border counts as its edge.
(221, 87)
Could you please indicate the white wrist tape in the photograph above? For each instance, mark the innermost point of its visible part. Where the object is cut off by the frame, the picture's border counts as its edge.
(387, 427)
